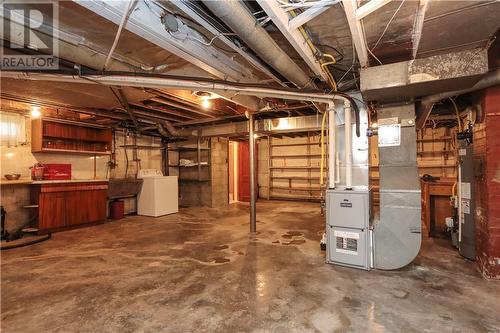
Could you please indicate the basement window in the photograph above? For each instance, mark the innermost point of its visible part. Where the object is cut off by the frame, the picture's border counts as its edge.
(12, 129)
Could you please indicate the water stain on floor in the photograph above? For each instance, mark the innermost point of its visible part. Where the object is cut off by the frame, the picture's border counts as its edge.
(221, 260)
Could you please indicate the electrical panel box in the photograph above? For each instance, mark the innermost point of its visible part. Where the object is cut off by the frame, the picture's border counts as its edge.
(349, 236)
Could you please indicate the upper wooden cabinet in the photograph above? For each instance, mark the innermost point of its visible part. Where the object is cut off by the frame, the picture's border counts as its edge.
(57, 136)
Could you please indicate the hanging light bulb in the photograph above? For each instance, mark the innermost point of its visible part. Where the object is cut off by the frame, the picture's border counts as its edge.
(205, 102)
(35, 112)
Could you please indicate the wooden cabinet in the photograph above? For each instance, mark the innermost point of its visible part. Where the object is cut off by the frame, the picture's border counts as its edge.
(63, 205)
(58, 136)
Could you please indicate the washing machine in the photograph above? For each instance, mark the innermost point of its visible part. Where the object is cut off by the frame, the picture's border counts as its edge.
(159, 194)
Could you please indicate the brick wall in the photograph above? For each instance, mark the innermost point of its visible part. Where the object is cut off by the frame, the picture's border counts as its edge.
(487, 150)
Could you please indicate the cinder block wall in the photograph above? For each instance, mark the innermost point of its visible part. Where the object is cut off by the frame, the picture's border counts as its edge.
(220, 173)
(215, 192)
(14, 198)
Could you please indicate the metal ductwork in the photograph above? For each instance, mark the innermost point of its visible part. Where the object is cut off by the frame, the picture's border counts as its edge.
(242, 22)
(426, 104)
(397, 234)
(166, 129)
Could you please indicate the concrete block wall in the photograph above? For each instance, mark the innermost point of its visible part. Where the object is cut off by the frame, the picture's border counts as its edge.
(262, 167)
(149, 159)
(212, 193)
(13, 199)
(220, 172)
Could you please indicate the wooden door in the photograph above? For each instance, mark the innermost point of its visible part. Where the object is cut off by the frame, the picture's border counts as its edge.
(244, 171)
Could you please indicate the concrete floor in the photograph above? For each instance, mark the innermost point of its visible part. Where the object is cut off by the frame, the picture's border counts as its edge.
(198, 271)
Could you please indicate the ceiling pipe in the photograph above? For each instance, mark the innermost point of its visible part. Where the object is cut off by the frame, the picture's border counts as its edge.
(426, 104)
(176, 82)
(243, 23)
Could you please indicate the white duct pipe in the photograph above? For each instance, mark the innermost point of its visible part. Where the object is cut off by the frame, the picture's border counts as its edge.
(177, 83)
(337, 167)
(348, 145)
(331, 145)
(236, 15)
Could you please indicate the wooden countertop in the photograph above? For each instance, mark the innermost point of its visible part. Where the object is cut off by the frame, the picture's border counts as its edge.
(28, 181)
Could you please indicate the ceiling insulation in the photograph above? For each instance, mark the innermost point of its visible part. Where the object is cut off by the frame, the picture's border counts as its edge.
(447, 26)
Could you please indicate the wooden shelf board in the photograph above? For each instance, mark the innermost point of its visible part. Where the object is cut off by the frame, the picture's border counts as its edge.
(435, 152)
(295, 156)
(444, 138)
(194, 180)
(295, 178)
(85, 152)
(295, 144)
(307, 189)
(295, 167)
(52, 137)
(436, 166)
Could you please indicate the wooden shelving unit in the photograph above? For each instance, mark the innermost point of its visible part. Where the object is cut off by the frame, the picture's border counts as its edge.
(282, 186)
(49, 135)
(439, 150)
(199, 154)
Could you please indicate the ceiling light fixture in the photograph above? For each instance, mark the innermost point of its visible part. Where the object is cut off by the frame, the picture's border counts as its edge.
(35, 112)
(205, 103)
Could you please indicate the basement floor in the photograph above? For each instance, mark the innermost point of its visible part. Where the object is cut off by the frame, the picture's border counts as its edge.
(198, 271)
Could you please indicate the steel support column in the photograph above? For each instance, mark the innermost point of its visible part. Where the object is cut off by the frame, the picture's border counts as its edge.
(251, 140)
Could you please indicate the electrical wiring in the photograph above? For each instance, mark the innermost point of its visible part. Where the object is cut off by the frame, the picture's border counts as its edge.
(459, 123)
(341, 55)
(387, 26)
(315, 50)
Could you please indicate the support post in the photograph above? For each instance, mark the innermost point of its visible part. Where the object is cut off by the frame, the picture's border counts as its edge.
(251, 140)
(331, 145)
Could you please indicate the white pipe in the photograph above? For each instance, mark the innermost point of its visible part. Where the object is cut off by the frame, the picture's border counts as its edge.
(459, 202)
(331, 145)
(348, 145)
(337, 167)
(177, 83)
(126, 13)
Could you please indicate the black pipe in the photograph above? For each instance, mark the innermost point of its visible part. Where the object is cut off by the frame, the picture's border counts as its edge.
(31, 242)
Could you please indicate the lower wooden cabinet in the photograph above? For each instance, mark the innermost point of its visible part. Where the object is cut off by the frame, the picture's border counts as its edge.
(69, 204)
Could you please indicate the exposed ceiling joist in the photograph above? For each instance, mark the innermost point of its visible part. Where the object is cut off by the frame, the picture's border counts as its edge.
(165, 110)
(357, 31)
(307, 15)
(370, 7)
(118, 92)
(418, 26)
(180, 106)
(146, 24)
(281, 19)
(187, 8)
